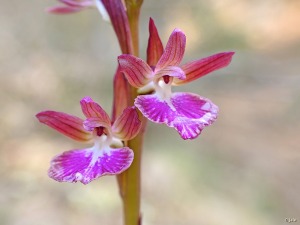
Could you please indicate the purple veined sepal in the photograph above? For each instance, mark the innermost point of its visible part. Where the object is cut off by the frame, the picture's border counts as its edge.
(93, 109)
(121, 88)
(155, 47)
(201, 67)
(85, 165)
(174, 50)
(69, 125)
(127, 125)
(136, 70)
(188, 113)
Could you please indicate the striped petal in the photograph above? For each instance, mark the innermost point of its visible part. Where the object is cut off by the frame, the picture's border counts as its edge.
(136, 70)
(188, 113)
(66, 124)
(93, 109)
(172, 71)
(64, 9)
(155, 47)
(128, 125)
(174, 51)
(91, 123)
(201, 67)
(85, 165)
(121, 88)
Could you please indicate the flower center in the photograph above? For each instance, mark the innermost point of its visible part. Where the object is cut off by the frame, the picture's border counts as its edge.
(99, 131)
(163, 87)
(103, 138)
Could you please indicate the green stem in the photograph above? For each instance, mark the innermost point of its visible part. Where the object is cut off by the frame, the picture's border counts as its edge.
(131, 184)
(130, 180)
(133, 17)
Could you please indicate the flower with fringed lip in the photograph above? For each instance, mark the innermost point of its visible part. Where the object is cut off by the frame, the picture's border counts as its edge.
(188, 113)
(107, 156)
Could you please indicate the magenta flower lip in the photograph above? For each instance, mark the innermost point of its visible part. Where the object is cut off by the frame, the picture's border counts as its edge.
(107, 156)
(188, 113)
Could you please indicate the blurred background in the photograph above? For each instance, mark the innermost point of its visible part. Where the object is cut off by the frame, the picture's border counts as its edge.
(244, 169)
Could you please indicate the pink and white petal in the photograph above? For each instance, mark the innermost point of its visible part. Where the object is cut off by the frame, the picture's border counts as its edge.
(66, 124)
(172, 71)
(64, 9)
(91, 123)
(127, 125)
(93, 109)
(136, 70)
(155, 47)
(201, 67)
(174, 50)
(85, 165)
(155, 109)
(193, 114)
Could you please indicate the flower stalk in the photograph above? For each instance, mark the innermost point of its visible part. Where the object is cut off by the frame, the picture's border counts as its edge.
(124, 94)
(131, 178)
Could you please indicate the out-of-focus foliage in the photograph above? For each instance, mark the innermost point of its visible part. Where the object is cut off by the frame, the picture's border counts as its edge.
(242, 170)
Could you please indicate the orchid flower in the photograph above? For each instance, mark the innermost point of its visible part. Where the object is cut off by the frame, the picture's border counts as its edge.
(188, 113)
(107, 156)
(72, 6)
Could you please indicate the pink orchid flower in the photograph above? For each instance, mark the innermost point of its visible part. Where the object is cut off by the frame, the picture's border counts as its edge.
(188, 113)
(72, 6)
(107, 156)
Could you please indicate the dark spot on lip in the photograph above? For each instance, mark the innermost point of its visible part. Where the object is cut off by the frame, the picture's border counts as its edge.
(166, 79)
(99, 131)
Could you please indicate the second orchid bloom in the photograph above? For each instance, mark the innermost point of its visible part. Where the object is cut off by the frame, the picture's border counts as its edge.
(188, 113)
(107, 156)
